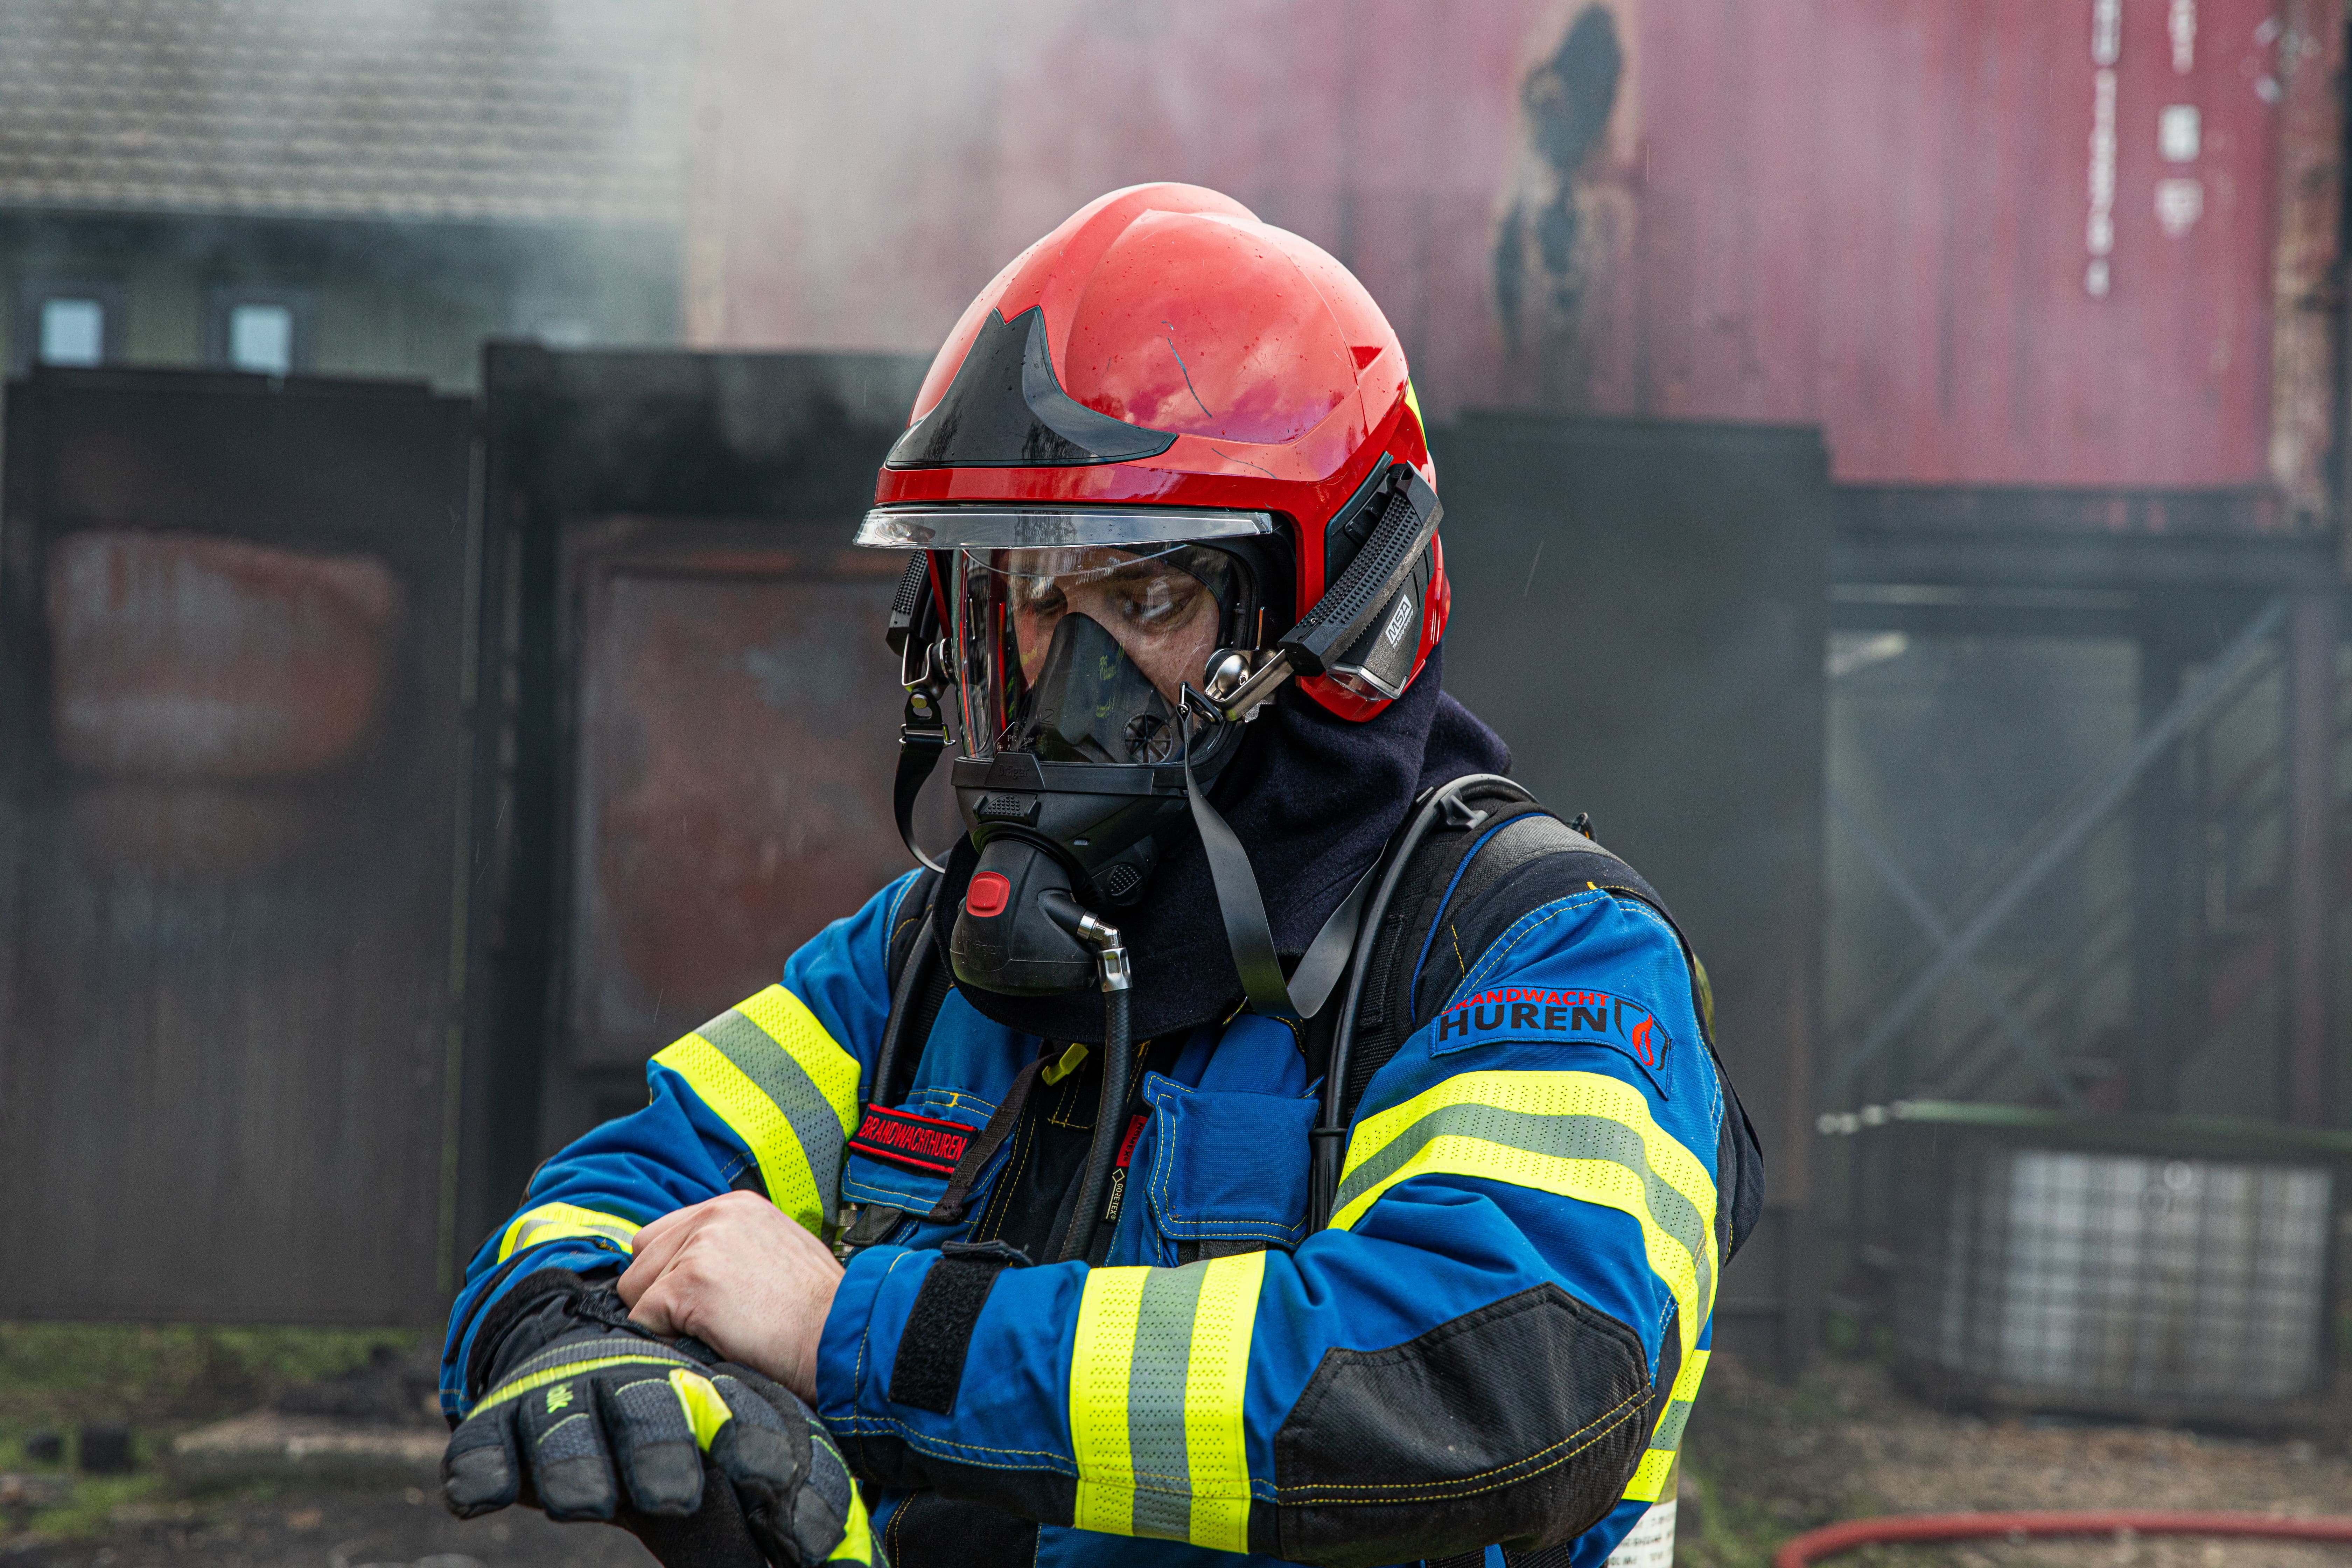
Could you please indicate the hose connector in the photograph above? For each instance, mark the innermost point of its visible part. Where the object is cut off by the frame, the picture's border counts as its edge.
(1110, 952)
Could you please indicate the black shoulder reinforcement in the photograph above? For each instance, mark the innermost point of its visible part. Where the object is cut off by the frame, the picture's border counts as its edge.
(1520, 1422)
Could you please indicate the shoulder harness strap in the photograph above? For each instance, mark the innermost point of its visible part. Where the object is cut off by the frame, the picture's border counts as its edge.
(919, 987)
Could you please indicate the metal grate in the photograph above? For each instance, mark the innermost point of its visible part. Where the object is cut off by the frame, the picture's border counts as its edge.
(2119, 1278)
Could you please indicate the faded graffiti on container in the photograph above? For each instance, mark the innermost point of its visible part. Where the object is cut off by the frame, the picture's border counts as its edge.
(1562, 221)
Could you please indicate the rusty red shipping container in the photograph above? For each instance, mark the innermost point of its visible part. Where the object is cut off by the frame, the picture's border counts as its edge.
(1983, 242)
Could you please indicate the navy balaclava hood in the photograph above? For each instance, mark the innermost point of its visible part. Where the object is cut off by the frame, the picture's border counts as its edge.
(1313, 797)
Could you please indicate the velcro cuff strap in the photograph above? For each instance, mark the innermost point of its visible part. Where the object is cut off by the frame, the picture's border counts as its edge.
(932, 1348)
(534, 1313)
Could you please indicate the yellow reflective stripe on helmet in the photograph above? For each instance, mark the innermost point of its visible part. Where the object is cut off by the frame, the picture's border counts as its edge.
(705, 1406)
(769, 1070)
(1157, 1374)
(1658, 1462)
(564, 1222)
(1581, 1135)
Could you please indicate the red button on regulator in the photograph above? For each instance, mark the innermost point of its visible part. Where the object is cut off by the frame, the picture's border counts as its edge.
(988, 895)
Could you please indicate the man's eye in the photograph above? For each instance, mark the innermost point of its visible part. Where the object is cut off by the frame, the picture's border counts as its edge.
(1160, 604)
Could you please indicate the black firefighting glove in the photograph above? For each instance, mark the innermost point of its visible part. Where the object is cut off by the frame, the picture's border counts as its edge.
(712, 1466)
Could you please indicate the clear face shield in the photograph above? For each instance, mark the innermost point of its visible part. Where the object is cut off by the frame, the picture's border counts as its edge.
(1081, 653)
(1068, 642)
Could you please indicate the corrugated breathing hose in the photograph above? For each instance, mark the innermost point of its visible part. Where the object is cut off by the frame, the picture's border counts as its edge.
(1118, 1063)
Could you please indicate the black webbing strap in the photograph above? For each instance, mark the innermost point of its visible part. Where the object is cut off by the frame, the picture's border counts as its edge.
(949, 1208)
(1247, 933)
(919, 753)
(918, 988)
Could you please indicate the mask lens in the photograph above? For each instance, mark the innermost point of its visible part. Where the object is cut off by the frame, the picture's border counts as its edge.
(1082, 653)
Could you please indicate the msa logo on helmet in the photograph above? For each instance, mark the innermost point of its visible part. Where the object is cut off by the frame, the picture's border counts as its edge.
(1394, 632)
(1559, 1014)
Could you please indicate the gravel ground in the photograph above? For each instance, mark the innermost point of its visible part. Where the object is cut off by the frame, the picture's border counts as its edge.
(1771, 1461)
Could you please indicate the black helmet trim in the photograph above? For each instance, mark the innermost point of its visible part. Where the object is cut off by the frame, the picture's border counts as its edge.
(1006, 409)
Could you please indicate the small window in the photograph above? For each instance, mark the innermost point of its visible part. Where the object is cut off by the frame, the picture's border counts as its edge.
(264, 331)
(66, 321)
(261, 337)
(73, 332)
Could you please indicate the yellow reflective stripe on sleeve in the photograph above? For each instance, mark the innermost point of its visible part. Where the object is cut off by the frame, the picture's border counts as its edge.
(1658, 1462)
(769, 1070)
(1216, 1377)
(564, 1222)
(1099, 1359)
(1157, 1375)
(705, 1406)
(1580, 1135)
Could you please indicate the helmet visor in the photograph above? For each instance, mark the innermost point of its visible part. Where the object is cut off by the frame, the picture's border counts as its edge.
(1081, 654)
(964, 525)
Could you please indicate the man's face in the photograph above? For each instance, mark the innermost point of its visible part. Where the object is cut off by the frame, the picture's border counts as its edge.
(1163, 616)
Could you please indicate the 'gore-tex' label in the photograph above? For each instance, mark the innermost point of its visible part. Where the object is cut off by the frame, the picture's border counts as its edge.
(1118, 1170)
(909, 1141)
(1518, 1015)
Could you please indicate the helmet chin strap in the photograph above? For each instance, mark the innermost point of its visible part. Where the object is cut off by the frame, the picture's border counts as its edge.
(1367, 607)
(1247, 933)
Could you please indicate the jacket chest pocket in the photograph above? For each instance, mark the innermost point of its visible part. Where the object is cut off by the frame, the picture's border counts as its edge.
(903, 1159)
(1228, 1173)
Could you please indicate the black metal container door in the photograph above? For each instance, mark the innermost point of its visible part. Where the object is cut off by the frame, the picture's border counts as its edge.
(697, 713)
(233, 613)
(1640, 608)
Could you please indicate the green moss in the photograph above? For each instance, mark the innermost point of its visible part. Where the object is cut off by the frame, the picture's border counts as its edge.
(91, 1507)
(159, 1379)
(1737, 1531)
(62, 1375)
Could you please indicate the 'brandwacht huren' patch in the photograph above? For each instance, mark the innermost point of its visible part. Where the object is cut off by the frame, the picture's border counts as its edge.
(1518, 1015)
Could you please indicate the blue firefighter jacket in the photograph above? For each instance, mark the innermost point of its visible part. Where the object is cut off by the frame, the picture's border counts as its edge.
(1512, 1300)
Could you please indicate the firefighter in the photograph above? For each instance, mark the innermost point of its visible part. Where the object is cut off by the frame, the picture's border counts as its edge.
(1268, 1133)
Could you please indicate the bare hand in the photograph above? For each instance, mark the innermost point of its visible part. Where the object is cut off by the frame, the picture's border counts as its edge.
(741, 1276)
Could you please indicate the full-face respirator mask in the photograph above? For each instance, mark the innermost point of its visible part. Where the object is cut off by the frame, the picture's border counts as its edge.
(1094, 669)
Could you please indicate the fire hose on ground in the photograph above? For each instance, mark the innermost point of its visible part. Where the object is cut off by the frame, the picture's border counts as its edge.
(1816, 1545)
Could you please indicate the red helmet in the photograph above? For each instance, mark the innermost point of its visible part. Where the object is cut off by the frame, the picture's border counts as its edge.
(1165, 349)
(1169, 459)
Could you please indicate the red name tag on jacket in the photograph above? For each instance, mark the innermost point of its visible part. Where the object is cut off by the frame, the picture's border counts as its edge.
(909, 1141)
